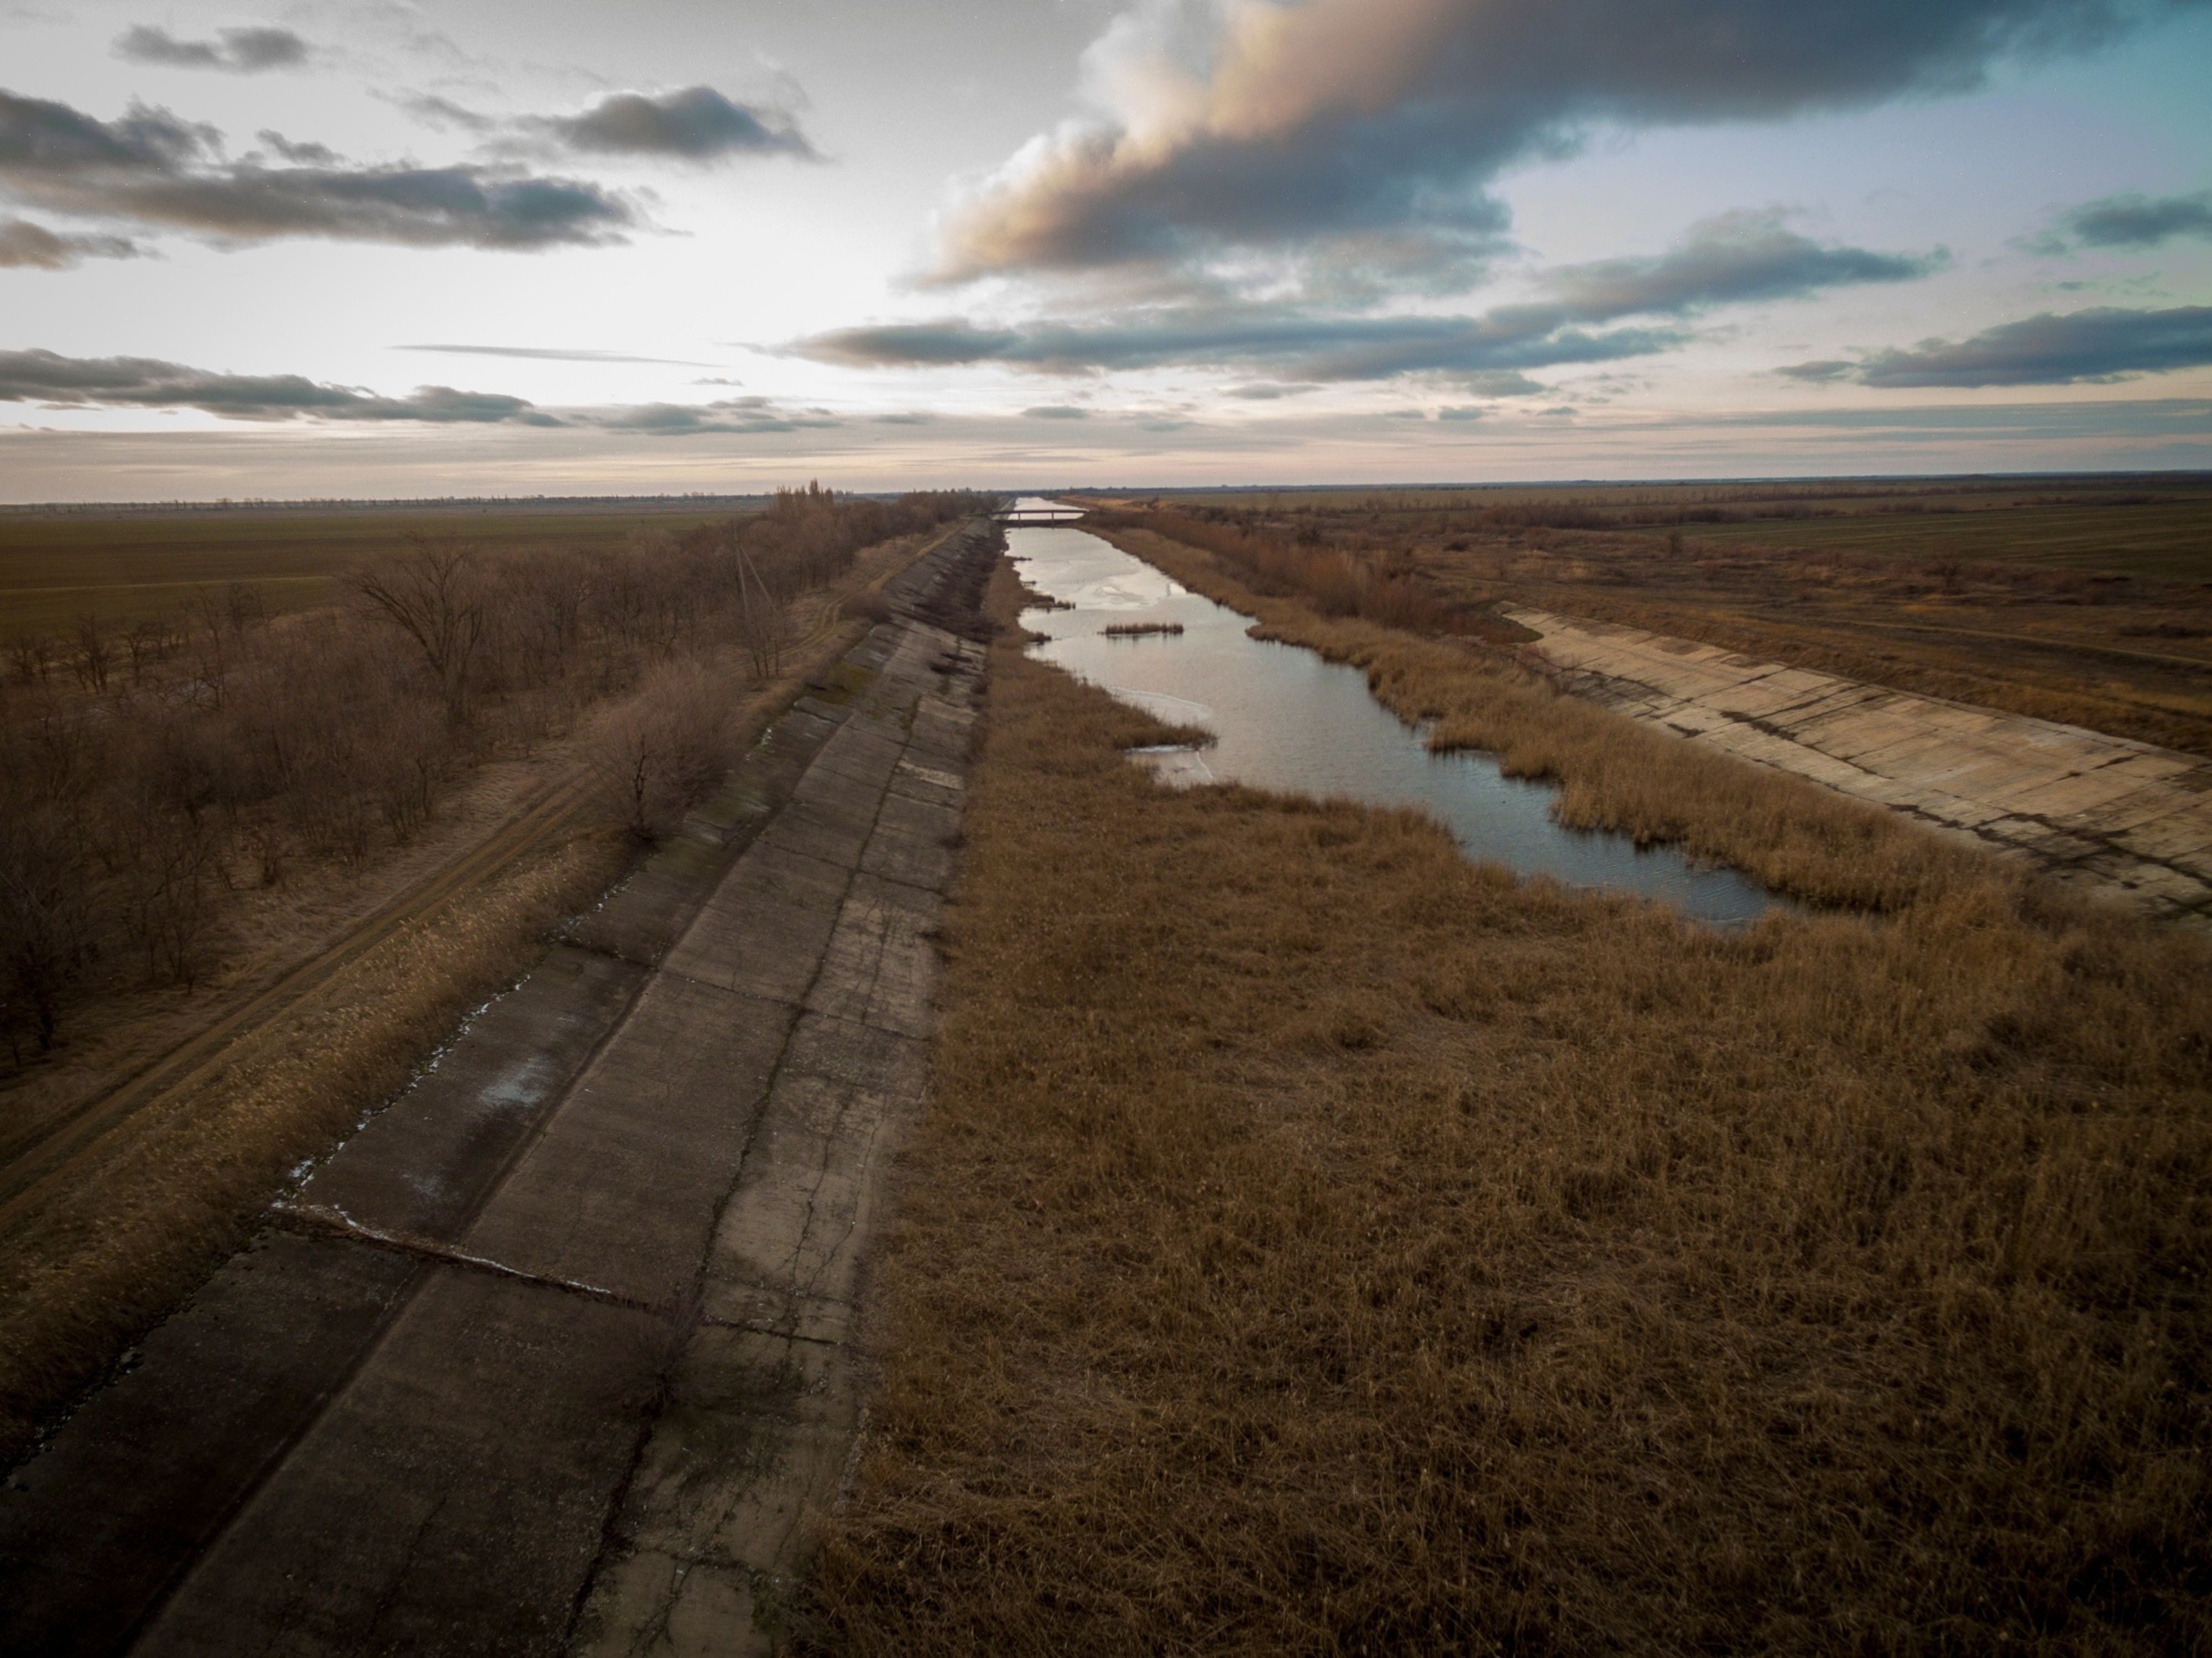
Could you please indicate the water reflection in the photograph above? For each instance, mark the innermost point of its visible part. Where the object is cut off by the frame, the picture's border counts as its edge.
(1288, 721)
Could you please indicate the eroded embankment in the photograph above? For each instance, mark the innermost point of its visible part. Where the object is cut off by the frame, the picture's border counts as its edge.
(2108, 813)
(560, 1348)
(1317, 1243)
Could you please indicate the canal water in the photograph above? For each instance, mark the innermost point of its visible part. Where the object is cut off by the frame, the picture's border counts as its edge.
(1285, 719)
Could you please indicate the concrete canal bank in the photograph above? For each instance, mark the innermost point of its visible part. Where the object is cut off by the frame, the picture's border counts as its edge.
(560, 1352)
(2107, 813)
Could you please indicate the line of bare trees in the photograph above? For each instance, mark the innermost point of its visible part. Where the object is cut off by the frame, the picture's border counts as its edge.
(149, 773)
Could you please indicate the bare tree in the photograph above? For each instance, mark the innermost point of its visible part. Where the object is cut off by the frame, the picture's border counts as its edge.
(167, 865)
(762, 622)
(46, 934)
(243, 604)
(34, 658)
(657, 755)
(147, 643)
(433, 596)
(212, 647)
(93, 648)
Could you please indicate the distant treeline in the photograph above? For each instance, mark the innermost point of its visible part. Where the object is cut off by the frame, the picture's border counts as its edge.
(146, 774)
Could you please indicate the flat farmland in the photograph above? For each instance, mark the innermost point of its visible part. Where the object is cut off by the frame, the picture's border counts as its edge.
(56, 565)
(2155, 539)
(2156, 528)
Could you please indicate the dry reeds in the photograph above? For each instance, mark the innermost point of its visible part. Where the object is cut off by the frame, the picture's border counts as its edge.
(1141, 629)
(1318, 1244)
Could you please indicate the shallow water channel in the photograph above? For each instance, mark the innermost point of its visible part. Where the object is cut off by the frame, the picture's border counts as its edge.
(1287, 719)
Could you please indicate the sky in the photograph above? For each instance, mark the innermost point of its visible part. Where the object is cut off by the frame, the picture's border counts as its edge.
(373, 249)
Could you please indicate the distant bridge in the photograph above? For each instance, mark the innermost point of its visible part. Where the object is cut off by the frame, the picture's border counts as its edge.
(1015, 518)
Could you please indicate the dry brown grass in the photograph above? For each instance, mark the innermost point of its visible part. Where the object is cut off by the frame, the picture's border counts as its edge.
(1319, 1243)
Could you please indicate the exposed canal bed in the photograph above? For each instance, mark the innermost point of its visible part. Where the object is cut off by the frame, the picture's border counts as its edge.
(1285, 719)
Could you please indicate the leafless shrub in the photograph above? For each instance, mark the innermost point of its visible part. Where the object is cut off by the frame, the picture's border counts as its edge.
(656, 755)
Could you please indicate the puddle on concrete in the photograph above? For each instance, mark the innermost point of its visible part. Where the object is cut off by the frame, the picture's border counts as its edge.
(1285, 719)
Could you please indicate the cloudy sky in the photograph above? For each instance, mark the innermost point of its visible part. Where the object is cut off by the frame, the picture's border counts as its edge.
(382, 248)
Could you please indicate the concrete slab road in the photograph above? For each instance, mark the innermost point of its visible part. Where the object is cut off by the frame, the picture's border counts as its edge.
(559, 1352)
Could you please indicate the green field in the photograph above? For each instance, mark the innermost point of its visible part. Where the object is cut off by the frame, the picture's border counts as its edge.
(57, 565)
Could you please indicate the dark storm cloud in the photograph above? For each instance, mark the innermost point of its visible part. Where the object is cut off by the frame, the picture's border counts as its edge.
(697, 123)
(27, 246)
(151, 167)
(241, 52)
(2108, 343)
(44, 377)
(2129, 221)
(1736, 258)
(1291, 126)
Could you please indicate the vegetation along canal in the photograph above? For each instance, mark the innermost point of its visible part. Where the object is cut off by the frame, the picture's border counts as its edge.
(1285, 719)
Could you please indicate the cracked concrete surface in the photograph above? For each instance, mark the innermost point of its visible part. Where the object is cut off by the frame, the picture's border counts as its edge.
(560, 1352)
(2107, 813)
